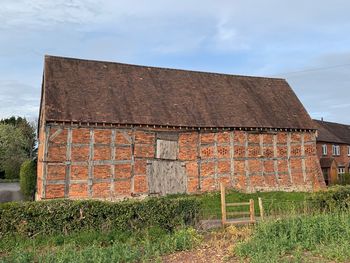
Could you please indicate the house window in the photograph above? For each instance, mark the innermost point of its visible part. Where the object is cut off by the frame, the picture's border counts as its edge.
(341, 170)
(324, 149)
(336, 150)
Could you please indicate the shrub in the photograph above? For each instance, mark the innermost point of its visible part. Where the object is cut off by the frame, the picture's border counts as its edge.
(344, 179)
(68, 216)
(28, 178)
(334, 198)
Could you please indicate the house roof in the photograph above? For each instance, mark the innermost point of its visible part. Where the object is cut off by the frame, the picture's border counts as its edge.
(333, 132)
(95, 91)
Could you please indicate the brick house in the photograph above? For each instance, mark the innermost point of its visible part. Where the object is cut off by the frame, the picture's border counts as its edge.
(111, 130)
(333, 149)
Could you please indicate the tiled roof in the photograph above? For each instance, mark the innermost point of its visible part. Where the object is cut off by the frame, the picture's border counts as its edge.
(333, 132)
(95, 91)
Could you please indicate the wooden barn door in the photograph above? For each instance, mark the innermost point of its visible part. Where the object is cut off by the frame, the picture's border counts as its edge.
(166, 175)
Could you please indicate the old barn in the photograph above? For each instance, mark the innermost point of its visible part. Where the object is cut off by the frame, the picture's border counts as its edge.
(110, 130)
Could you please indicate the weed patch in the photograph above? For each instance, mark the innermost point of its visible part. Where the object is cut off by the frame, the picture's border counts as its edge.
(146, 245)
(286, 240)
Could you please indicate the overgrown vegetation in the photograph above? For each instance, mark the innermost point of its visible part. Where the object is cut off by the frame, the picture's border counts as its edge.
(97, 231)
(332, 199)
(134, 231)
(290, 239)
(114, 246)
(69, 216)
(344, 179)
(28, 179)
(323, 233)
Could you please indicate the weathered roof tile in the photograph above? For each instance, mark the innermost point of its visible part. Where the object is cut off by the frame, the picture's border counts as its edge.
(93, 91)
(333, 132)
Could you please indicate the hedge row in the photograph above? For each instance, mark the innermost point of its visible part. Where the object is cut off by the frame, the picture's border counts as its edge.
(67, 216)
(333, 198)
(27, 178)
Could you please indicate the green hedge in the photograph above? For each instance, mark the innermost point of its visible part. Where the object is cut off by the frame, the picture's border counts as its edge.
(27, 177)
(68, 216)
(334, 198)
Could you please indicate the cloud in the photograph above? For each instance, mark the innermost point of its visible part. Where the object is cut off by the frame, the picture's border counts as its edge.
(228, 38)
(18, 99)
(325, 90)
(42, 13)
(239, 37)
(340, 106)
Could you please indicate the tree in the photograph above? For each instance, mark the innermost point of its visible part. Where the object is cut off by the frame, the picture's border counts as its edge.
(13, 150)
(28, 178)
(28, 130)
(17, 143)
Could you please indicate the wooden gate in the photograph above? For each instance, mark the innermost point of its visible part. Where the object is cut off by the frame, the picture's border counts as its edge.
(244, 220)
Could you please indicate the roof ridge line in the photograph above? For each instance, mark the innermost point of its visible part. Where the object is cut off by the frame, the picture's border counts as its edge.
(165, 68)
(331, 122)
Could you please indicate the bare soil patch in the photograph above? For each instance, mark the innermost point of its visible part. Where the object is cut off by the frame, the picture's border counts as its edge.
(217, 246)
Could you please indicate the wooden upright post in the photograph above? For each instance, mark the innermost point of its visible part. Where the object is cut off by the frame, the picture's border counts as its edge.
(251, 209)
(223, 204)
(261, 208)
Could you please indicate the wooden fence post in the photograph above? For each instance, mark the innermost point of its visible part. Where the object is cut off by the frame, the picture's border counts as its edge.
(223, 204)
(261, 208)
(252, 212)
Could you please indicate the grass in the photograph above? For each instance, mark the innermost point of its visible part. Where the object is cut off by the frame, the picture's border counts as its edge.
(144, 246)
(273, 202)
(272, 241)
(314, 238)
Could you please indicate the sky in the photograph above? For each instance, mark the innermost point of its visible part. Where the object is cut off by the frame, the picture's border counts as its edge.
(305, 42)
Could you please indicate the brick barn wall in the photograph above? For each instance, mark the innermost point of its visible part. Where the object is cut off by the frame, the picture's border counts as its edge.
(111, 163)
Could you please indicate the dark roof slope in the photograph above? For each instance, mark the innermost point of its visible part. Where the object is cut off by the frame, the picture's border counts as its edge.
(94, 91)
(333, 132)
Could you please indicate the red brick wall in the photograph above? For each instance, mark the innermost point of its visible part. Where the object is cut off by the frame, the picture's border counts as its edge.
(343, 158)
(97, 162)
